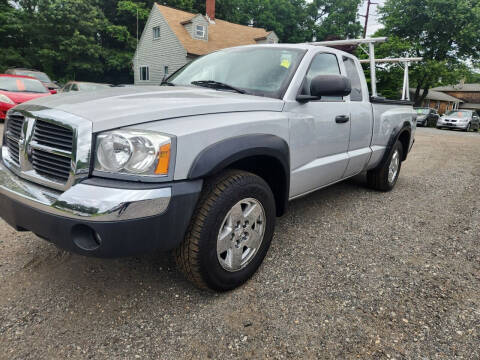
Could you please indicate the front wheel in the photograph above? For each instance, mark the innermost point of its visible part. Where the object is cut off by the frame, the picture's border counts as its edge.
(467, 129)
(385, 177)
(230, 232)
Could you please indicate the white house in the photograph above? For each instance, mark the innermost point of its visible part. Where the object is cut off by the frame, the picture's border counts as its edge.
(172, 38)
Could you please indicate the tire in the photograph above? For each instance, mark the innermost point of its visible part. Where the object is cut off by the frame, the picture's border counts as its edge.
(467, 129)
(225, 199)
(379, 178)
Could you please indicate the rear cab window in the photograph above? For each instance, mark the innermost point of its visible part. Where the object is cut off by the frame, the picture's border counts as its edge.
(354, 76)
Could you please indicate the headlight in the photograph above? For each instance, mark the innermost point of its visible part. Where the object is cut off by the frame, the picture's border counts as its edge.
(133, 152)
(6, 99)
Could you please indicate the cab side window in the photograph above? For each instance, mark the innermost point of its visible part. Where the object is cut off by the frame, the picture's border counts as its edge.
(352, 74)
(322, 64)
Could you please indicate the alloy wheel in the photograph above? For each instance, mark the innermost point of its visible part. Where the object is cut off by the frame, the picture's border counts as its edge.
(241, 234)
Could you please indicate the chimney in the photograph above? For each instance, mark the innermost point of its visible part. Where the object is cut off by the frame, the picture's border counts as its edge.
(211, 9)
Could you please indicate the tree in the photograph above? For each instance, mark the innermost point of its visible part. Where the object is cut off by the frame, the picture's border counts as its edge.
(443, 32)
(293, 20)
(10, 33)
(335, 19)
(95, 40)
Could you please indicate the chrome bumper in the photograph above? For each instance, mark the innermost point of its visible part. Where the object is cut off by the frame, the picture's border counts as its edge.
(87, 202)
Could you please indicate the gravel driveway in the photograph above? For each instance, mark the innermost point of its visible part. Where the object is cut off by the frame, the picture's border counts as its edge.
(352, 273)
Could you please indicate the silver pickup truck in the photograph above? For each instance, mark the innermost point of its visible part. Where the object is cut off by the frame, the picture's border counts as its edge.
(202, 165)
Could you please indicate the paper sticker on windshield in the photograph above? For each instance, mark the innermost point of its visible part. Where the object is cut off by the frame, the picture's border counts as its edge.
(20, 85)
(285, 63)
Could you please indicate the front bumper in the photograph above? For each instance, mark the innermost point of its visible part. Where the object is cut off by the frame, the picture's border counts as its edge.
(451, 125)
(103, 218)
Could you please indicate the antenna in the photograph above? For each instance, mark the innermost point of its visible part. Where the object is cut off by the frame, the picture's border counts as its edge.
(136, 54)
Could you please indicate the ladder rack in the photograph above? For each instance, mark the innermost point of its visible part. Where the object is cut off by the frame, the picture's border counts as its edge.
(372, 61)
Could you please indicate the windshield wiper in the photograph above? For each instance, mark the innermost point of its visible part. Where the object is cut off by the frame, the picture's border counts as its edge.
(167, 83)
(217, 85)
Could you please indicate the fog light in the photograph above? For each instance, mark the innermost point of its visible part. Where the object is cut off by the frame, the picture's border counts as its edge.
(86, 238)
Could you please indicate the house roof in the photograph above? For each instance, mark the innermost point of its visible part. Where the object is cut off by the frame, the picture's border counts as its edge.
(459, 87)
(438, 96)
(221, 34)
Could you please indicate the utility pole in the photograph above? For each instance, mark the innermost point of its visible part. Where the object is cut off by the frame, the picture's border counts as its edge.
(366, 17)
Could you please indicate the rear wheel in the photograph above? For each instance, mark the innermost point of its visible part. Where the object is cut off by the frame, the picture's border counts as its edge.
(385, 177)
(230, 232)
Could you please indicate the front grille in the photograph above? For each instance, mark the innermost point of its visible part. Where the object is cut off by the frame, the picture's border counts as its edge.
(47, 163)
(50, 165)
(43, 146)
(14, 130)
(52, 135)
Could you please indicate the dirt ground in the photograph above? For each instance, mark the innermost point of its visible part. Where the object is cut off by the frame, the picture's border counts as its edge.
(352, 273)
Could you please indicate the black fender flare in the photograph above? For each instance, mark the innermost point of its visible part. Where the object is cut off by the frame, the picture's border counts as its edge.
(224, 153)
(396, 133)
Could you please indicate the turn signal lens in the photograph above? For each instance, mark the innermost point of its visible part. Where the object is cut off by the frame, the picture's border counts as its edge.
(163, 160)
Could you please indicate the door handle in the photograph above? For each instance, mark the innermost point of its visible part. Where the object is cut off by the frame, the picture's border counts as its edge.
(340, 119)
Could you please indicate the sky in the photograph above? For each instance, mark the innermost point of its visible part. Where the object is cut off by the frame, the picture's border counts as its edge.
(373, 24)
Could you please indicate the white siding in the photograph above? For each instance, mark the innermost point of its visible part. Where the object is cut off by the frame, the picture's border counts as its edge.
(191, 26)
(271, 38)
(156, 54)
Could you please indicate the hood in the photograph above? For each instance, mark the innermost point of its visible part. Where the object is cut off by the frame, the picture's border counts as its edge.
(118, 107)
(21, 97)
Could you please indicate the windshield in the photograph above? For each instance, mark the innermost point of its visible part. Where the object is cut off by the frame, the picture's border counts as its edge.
(92, 87)
(37, 75)
(264, 71)
(422, 111)
(459, 114)
(17, 84)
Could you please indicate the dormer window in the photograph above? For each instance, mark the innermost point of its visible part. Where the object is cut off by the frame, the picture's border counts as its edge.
(200, 31)
(156, 32)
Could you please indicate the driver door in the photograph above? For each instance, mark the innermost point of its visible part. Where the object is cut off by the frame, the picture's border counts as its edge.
(319, 133)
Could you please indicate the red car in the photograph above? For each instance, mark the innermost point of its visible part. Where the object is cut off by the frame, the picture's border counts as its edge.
(16, 89)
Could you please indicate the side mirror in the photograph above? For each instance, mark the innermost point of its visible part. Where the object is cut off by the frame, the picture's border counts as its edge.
(327, 85)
